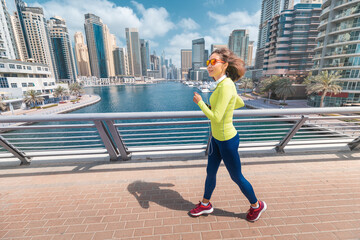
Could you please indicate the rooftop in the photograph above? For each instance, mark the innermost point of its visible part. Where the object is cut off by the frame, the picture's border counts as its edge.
(309, 196)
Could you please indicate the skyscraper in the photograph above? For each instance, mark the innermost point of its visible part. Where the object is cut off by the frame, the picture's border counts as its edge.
(144, 47)
(82, 55)
(290, 50)
(133, 51)
(34, 35)
(119, 61)
(94, 30)
(198, 53)
(64, 59)
(338, 49)
(110, 45)
(186, 55)
(217, 46)
(269, 8)
(8, 48)
(250, 53)
(239, 42)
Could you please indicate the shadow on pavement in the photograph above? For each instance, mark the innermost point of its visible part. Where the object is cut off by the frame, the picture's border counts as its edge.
(159, 193)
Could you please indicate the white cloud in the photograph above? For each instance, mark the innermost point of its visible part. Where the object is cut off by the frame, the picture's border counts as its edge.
(151, 23)
(188, 24)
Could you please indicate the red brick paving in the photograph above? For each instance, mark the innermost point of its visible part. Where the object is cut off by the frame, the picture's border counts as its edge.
(317, 197)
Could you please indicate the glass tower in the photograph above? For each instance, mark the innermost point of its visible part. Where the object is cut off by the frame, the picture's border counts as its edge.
(239, 43)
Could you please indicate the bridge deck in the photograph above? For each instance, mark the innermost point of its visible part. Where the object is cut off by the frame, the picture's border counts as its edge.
(315, 196)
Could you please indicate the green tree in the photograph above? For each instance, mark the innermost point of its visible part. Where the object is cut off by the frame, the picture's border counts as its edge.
(32, 97)
(60, 92)
(268, 85)
(246, 83)
(284, 88)
(323, 83)
(76, 89)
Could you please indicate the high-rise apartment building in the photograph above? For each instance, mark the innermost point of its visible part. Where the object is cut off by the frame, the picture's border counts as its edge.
(110, 45)
(119, 61)
(239, 42)
(82, 55)
(198, 53)
(250, 53)
(95, 39)
(186, 55)
(8, 48)
(133, 51)
(34, 35)
(145, 62)
(64, 59)
(290, 48)
(338, 49)
(269, 8)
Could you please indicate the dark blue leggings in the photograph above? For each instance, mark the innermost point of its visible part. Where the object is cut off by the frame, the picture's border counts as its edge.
(227, 151)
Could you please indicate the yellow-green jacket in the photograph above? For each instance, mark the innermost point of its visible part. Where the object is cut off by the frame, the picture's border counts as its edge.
(223, 101)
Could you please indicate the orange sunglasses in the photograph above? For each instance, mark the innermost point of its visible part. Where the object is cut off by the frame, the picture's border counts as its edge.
(213, 61)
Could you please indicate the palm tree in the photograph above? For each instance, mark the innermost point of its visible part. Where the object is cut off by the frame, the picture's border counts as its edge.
(75, 89)
(60, 92)
(245, 83)
(269, 84)
(284, 88)
(2, 104)
(323, 83)
(32, 97)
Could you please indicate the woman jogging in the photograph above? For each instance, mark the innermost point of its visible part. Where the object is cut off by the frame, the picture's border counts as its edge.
(225, 68)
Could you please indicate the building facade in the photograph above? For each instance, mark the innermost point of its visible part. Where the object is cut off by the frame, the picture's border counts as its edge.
(269, 8)
(119, 61)
(338, 49)
(239, 43)
(133, 51)
(95, 39)
(34, 35)
(64, 59)
(8, 48)
(198, 53)
(81, 55)
(217, 46)
(290, 48)
(110, 45)
(186, 55)
(250, 53)
(144, 54)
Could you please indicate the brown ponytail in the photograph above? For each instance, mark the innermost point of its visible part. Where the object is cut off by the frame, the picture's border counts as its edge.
(236, 68)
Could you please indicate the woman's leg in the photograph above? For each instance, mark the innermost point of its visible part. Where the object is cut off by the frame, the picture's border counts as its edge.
(214, 160)
(229, 153)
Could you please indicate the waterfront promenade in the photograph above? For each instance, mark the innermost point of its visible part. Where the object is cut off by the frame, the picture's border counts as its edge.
(309, 196)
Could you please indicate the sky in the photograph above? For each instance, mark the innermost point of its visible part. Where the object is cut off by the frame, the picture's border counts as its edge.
(169, 25)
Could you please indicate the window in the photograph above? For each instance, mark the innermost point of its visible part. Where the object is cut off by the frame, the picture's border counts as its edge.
(31, 84)
(28, 68)
(39, 68)
(46, 69)
(12, 66)
(4, 82)
(14, 85)
(2, 65)
(18, 66)
(23, 84)
(45, 84)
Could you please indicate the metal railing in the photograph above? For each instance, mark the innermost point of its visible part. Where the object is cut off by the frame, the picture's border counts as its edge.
(122, 134)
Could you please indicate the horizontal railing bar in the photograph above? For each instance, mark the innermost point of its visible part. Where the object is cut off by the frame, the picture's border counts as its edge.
(257, 134)
(174, 114)
(63, 147)
(275, 119)
(71, 137)
(264, 125)
(165, 142)
(334, 136)
(172, 123)
(279, 137)
(333, 117)
(48, 126)
(159, 129)
(343, 127)
(324, 131)
(337, 140)
(42, 133)
(181, 137)
(159, 134)
(259, 130)
(164, 148)
(52, 142)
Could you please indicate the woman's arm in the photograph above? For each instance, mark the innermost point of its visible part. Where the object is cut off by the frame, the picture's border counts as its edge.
(239, 102)
(219, 107)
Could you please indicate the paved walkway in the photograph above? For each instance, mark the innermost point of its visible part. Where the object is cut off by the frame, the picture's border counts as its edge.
(308, 196)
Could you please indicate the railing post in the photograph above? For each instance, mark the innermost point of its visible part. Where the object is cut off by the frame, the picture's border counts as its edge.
(352, 145)
(125, 154)
(20, 155)
(280, 147)
(106, 138)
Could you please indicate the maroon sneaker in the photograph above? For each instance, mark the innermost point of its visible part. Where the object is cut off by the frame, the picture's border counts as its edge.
(255, 213)
(201, 209)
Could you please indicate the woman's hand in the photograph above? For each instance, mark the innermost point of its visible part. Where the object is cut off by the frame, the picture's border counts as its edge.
(197, 98)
